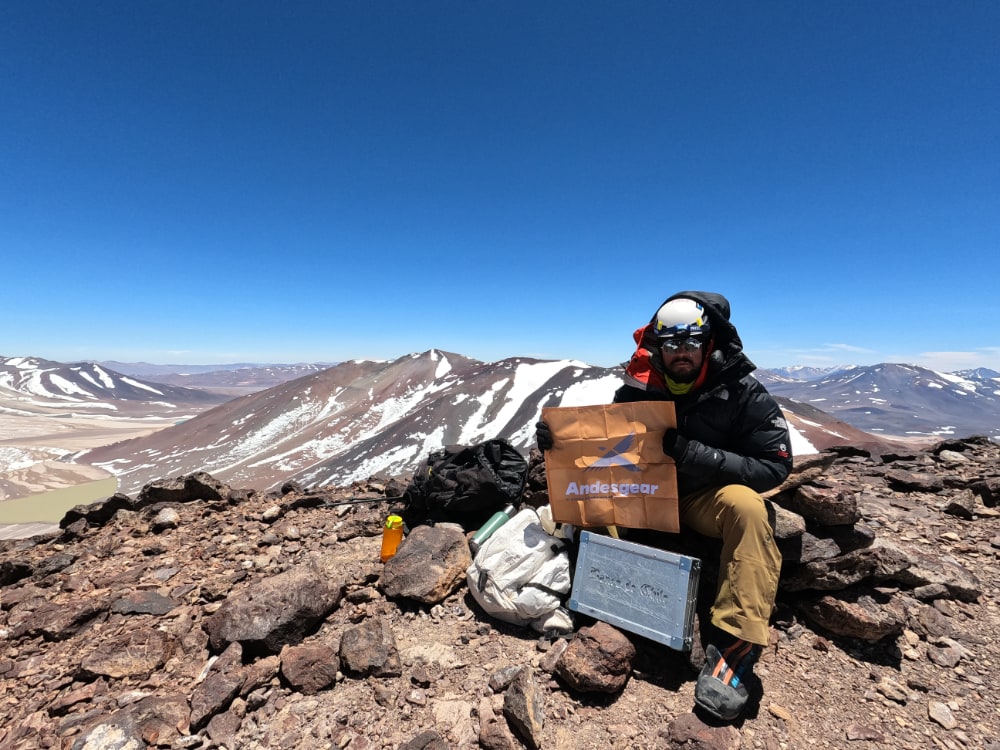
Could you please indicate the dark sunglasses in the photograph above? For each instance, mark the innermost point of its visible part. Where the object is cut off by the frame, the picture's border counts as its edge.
(688, 344)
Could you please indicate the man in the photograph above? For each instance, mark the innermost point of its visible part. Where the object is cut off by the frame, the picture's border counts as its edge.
(731, 443)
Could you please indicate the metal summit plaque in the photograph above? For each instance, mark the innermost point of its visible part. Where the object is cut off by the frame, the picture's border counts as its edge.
(644, 590)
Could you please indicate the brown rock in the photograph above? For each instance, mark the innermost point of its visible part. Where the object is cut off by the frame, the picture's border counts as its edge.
(941, 713)
(857, 732)
(222, 728)
(370, 649)
(427, 740)
(260, 673)
(429, 565)
(150, 721)
(220, 686)
(99, 513)
(807, 468)
(689, 732)
(879, 563)
(599, 659)
(988, 491)
(907, 481)
(787, 524)
(133, 654)
(143, 603)
(276, 610)
(310, 668)
(924, 569)
(494, 732)
(12, 571)
(81, 694)
(825, 507)
(165, 519)
(56, 621)
(862, 618)
(962, 504)
(522, 706)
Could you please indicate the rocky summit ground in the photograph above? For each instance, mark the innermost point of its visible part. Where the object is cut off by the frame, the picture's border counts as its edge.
(201, 616)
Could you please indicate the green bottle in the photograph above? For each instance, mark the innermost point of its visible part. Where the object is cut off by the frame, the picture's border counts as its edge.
(495, 521)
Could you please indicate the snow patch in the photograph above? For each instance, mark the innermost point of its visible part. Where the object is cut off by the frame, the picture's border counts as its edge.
(106, 379)
(443, 368)
(591, 392)
(143, 386)
(800, 444)
(67, 386)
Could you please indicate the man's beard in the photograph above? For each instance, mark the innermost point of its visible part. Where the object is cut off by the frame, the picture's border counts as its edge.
(689, 375)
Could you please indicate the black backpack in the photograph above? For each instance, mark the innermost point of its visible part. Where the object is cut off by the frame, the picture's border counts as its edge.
(465, 484)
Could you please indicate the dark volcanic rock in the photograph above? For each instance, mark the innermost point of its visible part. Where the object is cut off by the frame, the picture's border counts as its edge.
(429, 564)
(221, 685)
(861, 618)
(988, 490)
(277, 611)
(370, 649)
(908, 481)
(522, 706)
(99, 513)
(184, 489)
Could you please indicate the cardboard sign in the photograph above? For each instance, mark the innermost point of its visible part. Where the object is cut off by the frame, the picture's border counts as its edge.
(607, 466)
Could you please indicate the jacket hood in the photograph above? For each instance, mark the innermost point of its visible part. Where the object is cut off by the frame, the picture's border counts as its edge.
(726, 362)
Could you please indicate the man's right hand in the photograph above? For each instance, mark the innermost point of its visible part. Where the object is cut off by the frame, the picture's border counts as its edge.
(543, 436)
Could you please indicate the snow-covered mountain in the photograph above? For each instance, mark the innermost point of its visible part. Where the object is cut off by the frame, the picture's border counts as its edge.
(232, 380)
(29, 385)
(796, 373)
(362, 418)
(894, 399)
(980, 373)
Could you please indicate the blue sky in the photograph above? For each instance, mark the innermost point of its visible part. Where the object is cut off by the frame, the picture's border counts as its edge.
(318, 181)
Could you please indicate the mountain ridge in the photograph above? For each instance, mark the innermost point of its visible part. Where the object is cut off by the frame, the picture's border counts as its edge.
(900, 399)
(362, 419)
(39, 385)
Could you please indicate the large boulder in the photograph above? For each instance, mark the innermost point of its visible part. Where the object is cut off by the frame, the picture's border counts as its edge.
(278, 610)
(429, 565)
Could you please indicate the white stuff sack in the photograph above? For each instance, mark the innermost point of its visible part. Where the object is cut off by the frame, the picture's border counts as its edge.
(521, 575)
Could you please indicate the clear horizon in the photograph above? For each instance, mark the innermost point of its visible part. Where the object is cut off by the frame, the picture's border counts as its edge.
(252, 182)
(229, 365)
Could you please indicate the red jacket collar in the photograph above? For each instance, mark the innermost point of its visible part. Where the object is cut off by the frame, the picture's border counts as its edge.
(641, 371)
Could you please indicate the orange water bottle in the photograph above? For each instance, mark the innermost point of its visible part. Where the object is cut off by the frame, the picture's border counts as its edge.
(392, 535)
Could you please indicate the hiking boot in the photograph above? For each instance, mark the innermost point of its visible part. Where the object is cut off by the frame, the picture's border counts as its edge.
(721, 690)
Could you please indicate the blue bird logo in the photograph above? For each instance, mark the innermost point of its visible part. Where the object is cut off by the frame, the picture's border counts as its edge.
(614, 457)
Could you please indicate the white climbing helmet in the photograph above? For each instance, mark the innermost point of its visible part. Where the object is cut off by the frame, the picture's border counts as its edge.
(681, 317)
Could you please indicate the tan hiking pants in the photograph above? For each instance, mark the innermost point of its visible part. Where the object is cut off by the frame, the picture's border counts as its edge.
(750, 563)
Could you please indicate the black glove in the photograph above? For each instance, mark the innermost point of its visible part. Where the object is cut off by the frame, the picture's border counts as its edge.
(674, 444)
(543, 436)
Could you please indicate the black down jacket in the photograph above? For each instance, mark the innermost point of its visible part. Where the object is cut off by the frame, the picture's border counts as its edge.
(736, 431)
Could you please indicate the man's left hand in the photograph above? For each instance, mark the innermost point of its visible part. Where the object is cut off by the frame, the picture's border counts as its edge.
(543, 436)
(674, 444)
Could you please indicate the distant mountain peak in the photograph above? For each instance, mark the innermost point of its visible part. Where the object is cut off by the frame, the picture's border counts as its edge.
(902, 399)
(89, 387)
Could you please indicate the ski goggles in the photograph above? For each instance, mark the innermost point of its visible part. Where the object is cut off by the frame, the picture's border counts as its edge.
(685, 344)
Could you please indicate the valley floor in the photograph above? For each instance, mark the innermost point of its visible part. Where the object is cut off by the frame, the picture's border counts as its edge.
(30, 449)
